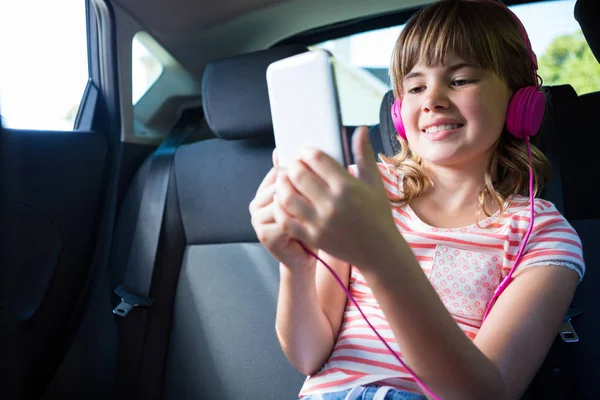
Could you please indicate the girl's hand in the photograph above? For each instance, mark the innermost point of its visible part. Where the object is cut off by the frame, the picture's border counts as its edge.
(321, 204)
(262, 208)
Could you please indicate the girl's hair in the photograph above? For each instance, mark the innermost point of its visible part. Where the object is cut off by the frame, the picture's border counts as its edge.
(485, 34)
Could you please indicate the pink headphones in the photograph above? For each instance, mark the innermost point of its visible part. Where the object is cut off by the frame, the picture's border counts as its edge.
(526, 107)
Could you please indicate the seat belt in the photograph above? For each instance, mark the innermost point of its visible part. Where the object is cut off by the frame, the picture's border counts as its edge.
(135, 291)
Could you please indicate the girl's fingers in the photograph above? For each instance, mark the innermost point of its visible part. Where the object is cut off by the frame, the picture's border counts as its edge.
(287, 223)
(264, 215)
(325, 167)
(291, 200)
(268, 179)
(263, 197)
(307, 182)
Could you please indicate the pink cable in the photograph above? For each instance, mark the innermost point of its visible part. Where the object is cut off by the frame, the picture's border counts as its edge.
(508, 277)
(497, 292)
(349, 295)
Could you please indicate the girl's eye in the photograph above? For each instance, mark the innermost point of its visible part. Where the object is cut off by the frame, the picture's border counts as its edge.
(462, 82)
(415, 90)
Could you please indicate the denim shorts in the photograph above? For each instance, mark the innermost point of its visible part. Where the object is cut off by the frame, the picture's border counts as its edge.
(368, 393)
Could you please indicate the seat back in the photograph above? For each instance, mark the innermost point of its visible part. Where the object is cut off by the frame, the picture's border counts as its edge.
(222, 341)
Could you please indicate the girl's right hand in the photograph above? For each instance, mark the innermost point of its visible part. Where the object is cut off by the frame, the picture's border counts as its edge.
(284, 248)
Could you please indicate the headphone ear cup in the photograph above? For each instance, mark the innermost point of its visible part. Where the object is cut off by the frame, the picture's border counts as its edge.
(397, 119)
(525, 112)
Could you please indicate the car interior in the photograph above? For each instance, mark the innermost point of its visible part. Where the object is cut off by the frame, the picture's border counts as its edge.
(129, 265)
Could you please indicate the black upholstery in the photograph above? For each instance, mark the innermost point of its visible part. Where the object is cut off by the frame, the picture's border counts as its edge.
(235, 97)
(383, 135)
(219, 194)
(580, 143)
(560, 107)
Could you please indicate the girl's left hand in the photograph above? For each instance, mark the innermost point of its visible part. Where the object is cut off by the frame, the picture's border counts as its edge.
(321, 204)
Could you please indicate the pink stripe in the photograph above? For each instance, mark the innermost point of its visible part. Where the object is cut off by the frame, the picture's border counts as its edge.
(359, 317)
(555, 240)
(429, 246)
(361, 348)
(424, 258)
(545, 203)
(546, 253)
(471, 323)
(360, 281)
(542, 225)
(452, 240)
(360, 360)
(403, 213)
(402, 225)
(498, 236)
(560, 230)
(366, 336)
(383, 168)
(343, 371)
(391, 182)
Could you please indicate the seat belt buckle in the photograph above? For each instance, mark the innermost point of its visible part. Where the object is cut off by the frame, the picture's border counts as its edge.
(566, 331)
(129, 301)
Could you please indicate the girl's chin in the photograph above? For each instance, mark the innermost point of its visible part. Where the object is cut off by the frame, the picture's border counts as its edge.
(442, 157)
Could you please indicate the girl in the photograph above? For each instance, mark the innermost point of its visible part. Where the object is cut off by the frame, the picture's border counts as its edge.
(423, 240)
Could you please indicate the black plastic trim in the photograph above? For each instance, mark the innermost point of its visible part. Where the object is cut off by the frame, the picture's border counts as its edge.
(364, 24)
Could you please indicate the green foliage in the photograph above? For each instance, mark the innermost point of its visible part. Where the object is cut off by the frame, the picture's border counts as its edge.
(569, 60)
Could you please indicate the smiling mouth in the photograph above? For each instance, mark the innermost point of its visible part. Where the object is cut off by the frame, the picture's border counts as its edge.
(442, 128)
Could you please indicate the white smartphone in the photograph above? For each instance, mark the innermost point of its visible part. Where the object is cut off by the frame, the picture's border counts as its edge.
(305, 107)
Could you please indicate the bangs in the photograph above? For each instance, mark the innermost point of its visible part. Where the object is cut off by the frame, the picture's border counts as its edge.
(461, 27)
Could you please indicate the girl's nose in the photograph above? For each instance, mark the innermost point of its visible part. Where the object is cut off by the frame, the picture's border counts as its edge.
(435, 99)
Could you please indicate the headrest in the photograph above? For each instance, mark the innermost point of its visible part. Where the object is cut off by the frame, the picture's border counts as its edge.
(389, 135)
(587, 13)
(235, 96)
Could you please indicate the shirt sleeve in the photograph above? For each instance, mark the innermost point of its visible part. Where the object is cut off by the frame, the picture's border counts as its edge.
(553, 241)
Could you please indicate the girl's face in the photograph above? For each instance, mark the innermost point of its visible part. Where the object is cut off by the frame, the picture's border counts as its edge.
(453, 113)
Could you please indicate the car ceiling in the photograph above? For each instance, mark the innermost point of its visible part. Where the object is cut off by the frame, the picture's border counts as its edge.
(198, 31)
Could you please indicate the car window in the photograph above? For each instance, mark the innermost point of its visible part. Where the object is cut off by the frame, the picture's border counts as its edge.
(44, 68)
(145, 67)
(362, 60)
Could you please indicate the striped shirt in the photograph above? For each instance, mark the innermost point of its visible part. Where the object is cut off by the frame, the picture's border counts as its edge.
(464, 266)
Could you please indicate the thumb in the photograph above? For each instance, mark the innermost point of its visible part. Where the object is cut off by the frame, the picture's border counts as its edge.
(365, 157)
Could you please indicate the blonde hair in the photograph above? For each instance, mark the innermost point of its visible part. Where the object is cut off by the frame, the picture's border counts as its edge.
(483, 33)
